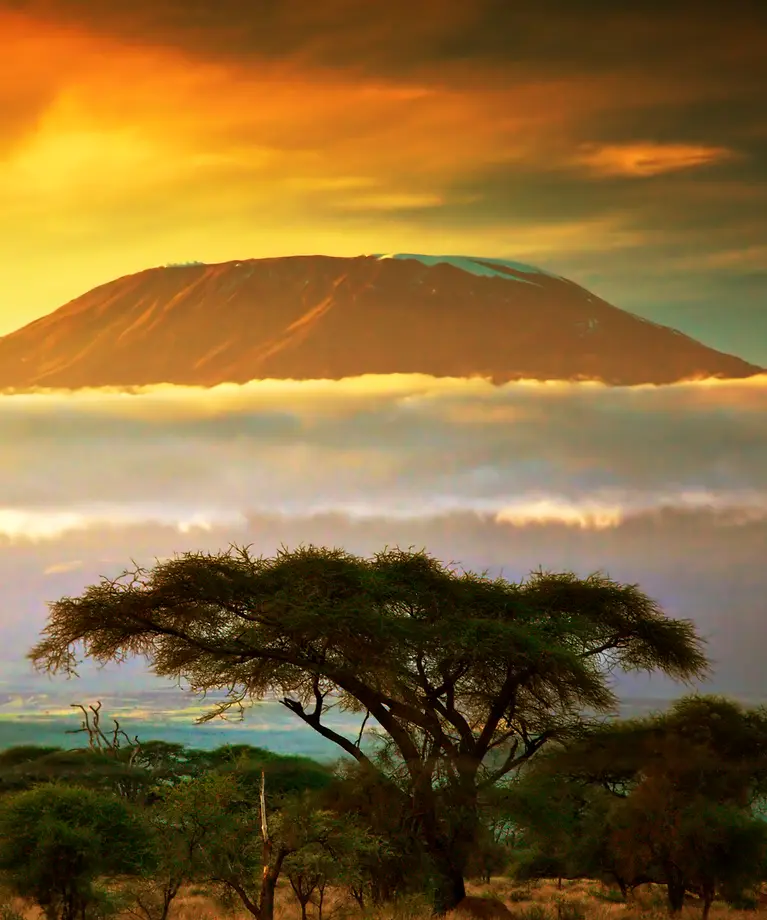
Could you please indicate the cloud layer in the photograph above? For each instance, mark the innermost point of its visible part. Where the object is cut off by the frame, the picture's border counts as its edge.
(661, 486)
(401, 447)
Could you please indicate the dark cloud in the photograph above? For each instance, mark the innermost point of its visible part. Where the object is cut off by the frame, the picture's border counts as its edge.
(723, 201)
(564, 36)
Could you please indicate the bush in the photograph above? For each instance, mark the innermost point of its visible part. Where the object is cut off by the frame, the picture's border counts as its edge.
(56, 841)
(743, 901)
(8, 912)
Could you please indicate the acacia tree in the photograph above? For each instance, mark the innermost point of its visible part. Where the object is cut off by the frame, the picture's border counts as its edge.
(697, 845)
(368, 799)
(327, 849)
(453, 667)
(57, 841)
(684, 785)
(210, 830)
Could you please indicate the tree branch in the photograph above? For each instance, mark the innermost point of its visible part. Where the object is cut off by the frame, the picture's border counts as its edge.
(362, 729)
(499, 706)
(611, 643)
(313, 720)
(508, 765)
(251, 905)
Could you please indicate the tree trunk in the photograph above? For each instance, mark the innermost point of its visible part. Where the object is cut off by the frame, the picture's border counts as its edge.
(268, 886)
(450, 888)
(450, 852)
(675, 890)
(448, 872)
(168, 895)
(271, 861)
(320, 900)
(266, 902)
(707, 892)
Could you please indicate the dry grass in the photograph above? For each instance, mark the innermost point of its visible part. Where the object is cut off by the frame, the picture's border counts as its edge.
(543, 900)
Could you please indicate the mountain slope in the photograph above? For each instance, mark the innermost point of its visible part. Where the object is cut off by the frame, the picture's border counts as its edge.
(309, 317)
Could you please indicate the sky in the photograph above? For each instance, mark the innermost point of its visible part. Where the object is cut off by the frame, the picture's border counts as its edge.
(665, 487)
(620, 145)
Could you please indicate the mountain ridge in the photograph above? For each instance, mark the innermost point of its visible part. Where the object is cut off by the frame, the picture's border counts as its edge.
(310, 317)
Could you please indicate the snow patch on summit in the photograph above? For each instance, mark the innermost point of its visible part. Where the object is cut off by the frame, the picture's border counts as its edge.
(475, 265)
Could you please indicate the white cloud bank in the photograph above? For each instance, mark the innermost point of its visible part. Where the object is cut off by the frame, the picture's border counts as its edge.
(397, 447)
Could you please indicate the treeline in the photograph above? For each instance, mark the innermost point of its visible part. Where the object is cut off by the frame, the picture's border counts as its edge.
(486, 761)
(124, 825)
(672, 799)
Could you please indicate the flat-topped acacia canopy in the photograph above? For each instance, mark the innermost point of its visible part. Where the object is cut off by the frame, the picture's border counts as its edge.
(453, 666)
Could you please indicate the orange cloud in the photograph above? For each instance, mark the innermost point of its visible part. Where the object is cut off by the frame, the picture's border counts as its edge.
(647, 159)
(121, 153)
(112, 120)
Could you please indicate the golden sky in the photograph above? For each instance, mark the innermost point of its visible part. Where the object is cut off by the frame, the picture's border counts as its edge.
(621, 145)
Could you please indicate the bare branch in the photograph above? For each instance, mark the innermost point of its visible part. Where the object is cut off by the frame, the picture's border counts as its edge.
(314, 721)
(362, 729)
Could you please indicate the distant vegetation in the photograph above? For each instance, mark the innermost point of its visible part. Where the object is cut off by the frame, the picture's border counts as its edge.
(181, 264)
(486, 765)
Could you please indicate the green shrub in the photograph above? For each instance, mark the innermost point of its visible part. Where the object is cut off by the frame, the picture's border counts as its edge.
(743, 901)
(10, 913)
(56, 841)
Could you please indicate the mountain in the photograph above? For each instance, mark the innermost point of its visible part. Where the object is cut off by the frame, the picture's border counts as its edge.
(308, 317)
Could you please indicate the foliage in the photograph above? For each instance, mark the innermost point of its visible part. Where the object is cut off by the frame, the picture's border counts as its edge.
(518, 895)
(534, 912)
(742, 900)
(202, 828)
(95, 769)
(57, 841)
(450, 666)
(326, 849)
(24, 753)
(610, 895)
(210, 831)
(488, 857)
(367, 798)
(696, 846)
(9, 913)
(668, 799)
(286, 775)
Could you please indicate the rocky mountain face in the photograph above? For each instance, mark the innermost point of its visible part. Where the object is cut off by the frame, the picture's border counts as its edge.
(309, 317)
